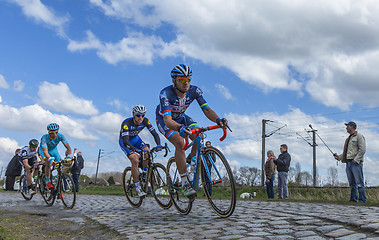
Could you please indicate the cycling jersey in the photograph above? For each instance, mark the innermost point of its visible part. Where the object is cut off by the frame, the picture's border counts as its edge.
(129, 140)
(51, 145)
(171, 104)
(26, 153)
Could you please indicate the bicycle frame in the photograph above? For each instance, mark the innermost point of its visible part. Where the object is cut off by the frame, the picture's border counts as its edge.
(199, 154)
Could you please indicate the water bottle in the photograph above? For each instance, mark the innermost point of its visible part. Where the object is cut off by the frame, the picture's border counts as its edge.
(144, 174)
(191, 168)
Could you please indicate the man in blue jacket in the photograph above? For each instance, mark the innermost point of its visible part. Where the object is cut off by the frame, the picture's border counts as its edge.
(283, 164)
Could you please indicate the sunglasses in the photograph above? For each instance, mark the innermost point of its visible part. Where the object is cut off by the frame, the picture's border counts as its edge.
(184, 80)
(139, 115)
(53, 132)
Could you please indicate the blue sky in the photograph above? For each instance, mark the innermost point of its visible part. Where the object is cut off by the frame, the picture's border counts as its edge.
(85, 64)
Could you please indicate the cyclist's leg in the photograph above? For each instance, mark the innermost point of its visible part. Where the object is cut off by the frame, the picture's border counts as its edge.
(188, 121)
(180, 157)
(139, 144)
(28, 171)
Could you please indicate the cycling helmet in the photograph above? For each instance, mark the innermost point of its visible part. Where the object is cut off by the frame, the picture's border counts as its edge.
(33, 143)
(181, 70)
(139, 109)
(52, 127)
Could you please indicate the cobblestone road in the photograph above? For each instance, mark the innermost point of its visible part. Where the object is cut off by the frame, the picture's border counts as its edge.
(251, 219)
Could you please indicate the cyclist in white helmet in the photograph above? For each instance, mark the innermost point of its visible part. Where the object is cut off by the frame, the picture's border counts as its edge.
(132, 145)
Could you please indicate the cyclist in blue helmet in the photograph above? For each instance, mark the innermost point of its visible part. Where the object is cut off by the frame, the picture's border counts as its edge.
(48, 149)
(174, 124)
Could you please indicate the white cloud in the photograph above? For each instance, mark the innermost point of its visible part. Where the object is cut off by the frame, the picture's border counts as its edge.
(328, 43)
(3, 82)
(36, 10)
(59, 97)
(108, 124)
(18, 85)
(8, 145)
(224, 91)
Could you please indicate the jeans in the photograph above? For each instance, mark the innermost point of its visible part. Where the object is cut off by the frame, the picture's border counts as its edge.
(75, 179)
(282, 185)
(354, 174)
(270, 187)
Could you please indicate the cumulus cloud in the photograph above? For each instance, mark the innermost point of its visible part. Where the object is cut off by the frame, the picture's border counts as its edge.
(59, 98)
(3, 82)
(36, 10)
(107, 124)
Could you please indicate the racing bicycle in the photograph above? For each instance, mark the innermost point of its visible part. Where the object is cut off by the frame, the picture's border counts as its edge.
(37, 183)
(216, 177)
(154, 179)
(63, 189)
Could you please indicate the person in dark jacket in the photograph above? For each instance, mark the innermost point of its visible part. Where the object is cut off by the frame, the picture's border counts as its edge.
(76, 169)
(14, 169)
(283, 164)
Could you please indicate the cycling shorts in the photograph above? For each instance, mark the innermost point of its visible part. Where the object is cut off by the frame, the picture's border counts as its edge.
(168, 133)
(135, 141)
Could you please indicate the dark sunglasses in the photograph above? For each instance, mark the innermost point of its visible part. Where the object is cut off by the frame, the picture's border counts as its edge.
(139, 115)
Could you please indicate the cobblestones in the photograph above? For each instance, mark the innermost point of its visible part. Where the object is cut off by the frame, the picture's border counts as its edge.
(251, 219)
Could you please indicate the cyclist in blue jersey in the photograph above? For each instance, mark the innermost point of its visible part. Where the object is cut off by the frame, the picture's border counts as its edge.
(48, 149)
(174, 124)
(132, 145)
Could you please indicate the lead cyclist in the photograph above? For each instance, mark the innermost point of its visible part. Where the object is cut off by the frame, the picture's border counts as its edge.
(48, 149)
(175, 125)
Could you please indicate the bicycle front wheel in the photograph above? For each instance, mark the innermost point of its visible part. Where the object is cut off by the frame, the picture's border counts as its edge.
(159, 186)
(24, 189)
(219, 185)
(67, 192)
(130, 188)
(182, 203)
(47, 195)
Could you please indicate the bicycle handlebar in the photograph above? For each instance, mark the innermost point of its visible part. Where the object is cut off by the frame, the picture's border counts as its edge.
(197, 131)
(154, 149)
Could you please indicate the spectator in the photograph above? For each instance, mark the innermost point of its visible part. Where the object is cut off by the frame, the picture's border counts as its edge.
(283, 165)
(14, 169)
(353, 152)
(270, 174)
(76, 169)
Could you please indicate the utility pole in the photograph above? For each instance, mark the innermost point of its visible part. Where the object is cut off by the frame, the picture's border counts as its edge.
(264, 136)
(314, 154)
(97, 169)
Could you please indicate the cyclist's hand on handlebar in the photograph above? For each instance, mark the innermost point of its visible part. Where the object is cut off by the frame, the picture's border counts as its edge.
(51, 160)
(158, 147)
(184, 131)
(222, 122)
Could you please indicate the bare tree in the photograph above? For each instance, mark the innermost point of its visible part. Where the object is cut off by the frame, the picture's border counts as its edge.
(248, 175)
(333, 176)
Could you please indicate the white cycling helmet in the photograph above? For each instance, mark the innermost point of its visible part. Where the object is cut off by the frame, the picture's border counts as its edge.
(139, 109)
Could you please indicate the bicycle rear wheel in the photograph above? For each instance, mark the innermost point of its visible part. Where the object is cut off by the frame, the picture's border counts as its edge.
(182, 203)
(130, 188)
(47, 195)
(220, 188)
(159, 186)
(67, 192)
(24, 189)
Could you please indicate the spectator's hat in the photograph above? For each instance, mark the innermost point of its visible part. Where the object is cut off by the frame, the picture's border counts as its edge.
(352, 124)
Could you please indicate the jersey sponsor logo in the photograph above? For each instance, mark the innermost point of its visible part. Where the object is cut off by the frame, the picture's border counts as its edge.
(148, 121)
(126, 127)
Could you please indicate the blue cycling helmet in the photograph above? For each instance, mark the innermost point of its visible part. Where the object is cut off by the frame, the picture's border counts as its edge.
(181, 70)
(52, 127)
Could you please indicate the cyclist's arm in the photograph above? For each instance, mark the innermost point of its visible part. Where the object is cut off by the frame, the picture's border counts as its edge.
(125, 140)
(46, 153)
(152, 131)
(170, 123)
(68, 149)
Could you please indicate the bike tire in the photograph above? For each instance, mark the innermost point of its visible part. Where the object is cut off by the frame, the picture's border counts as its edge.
(159, 186)
(67, 192)
(23, 188)
(48, 196)
(182, 203)
(130, 189)
(221, 190)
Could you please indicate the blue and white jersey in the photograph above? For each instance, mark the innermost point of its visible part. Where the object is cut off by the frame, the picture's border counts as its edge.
(171, 104)
(51, 144)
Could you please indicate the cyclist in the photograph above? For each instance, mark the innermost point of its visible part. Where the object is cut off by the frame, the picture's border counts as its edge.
(48, 149)
(28, 156)
(132, 145)
(174, 124)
